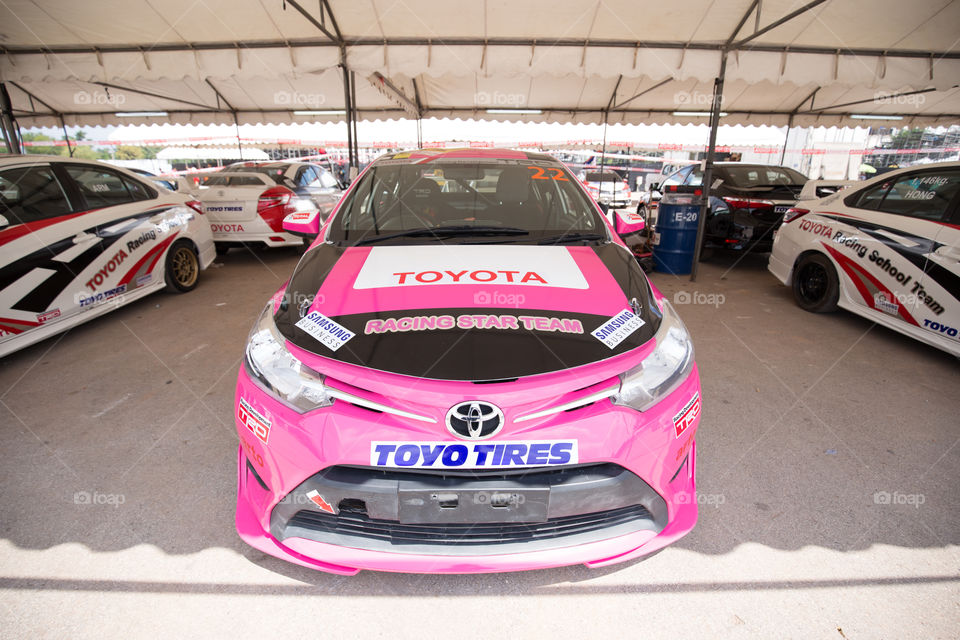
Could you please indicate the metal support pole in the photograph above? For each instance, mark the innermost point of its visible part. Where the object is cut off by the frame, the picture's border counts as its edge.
(708, 169)
(353, 104)
(11, 132)
(236, 125)
(66, 137)
(786, 140)
(349, 112)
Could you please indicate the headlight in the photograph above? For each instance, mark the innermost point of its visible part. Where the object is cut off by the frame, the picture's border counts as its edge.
(663, 370)
(275, 368)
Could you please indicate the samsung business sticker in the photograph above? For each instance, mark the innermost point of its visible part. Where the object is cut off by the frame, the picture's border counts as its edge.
(331, 334)
(618, 328)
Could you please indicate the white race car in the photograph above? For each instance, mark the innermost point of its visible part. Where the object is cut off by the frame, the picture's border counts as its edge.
(78, 239)
(888, 250)
(249, 208)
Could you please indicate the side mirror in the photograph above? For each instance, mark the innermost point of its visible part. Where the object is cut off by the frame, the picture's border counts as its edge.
(305, 224)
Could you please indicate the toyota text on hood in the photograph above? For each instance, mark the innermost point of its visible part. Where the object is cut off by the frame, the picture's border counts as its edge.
(466, 372)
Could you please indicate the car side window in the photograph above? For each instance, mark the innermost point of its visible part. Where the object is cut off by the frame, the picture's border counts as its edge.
(694, 178)
(678, 177)
(306, 177)
(102, 187)
(31, 193)
(926, 195)
(327, 181)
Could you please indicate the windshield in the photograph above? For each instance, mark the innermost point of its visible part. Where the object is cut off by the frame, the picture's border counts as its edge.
(606, 176)
(467, 202)
(761, 176)
(220, 180)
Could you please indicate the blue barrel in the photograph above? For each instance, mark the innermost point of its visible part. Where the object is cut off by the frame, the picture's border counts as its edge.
(676, 231)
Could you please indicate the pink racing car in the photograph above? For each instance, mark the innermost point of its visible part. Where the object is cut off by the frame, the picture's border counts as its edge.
(466, 372)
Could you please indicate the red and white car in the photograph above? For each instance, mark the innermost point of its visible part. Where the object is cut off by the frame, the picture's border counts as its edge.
(313, 181)
(79, 239)
(249, 208)
(888, 250)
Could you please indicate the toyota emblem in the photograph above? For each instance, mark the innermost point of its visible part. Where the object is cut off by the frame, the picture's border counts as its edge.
(474, 420)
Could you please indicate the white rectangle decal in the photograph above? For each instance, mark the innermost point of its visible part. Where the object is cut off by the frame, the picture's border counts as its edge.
(618, 328)
(473, 455)
(471, 265)
(328, 332)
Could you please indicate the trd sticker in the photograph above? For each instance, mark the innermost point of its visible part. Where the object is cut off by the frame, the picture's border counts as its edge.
(49, 315)
(618, 328)
(470, 265)
(688, 415)
(254, 421)
(472, 321)
(318, 500)
(473, 455)
(329, 333)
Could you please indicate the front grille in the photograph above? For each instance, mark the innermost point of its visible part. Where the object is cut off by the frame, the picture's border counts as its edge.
(421, 511)
(395, 533)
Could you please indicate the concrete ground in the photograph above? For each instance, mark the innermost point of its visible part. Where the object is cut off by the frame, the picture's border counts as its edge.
(828, 474)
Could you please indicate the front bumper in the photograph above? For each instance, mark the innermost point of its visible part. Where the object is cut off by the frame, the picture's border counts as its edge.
(633, 492)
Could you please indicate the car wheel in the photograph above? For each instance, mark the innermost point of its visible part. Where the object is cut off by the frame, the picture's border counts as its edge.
(183, 267)
(816, 287)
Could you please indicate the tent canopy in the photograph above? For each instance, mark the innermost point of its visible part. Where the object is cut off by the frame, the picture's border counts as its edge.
(821, 63)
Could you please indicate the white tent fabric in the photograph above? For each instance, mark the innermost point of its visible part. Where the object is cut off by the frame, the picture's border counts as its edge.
(211, 153)
(626, 61)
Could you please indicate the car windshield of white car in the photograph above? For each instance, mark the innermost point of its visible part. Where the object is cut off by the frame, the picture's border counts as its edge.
(475, 202)
(759, 176)
(606, 176)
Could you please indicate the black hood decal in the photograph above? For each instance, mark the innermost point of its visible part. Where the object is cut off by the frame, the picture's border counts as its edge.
(472, 343)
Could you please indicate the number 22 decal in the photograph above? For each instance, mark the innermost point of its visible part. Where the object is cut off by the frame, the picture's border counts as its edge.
(540, 174)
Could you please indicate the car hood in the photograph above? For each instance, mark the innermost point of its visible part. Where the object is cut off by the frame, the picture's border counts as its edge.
(468, 312)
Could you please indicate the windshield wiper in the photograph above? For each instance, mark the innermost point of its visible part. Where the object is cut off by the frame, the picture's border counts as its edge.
(571, 237)
(458, 230)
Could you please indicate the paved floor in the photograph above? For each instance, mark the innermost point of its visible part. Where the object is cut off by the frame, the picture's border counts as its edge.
(829, 473)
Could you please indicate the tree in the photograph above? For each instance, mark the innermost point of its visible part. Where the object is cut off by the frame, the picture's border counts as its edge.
(51, 150)
(128, 153)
